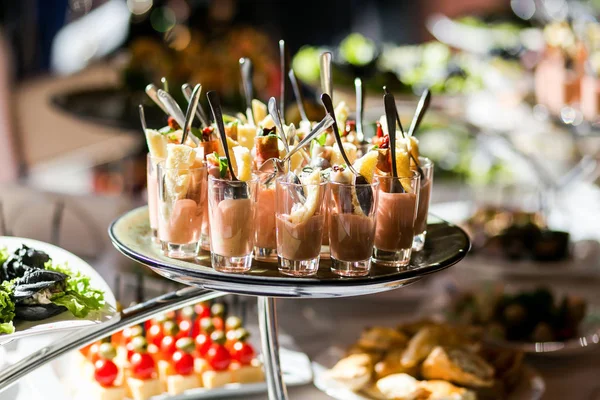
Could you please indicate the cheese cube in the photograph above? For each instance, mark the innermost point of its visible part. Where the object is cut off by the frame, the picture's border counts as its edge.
(100, 392)
(177, 384)
(214, 379)
(251, 373)
(143, 389)
(200, 366)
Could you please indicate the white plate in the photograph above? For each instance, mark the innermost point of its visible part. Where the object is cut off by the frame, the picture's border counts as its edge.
(295, 366)
(65, 320)
(531, 386)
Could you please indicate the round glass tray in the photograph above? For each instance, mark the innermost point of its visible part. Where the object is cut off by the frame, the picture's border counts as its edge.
(446, 245)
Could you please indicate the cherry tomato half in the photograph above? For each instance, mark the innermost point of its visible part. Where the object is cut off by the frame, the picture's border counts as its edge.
(155, 334)
(203, 343)
(168, 347)
(183, 362)
(242, 352)
(185, 326)
(142, 365)
(105, 372)
(218, 357)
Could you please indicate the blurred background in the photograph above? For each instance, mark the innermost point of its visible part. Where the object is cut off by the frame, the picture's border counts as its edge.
(514, 128)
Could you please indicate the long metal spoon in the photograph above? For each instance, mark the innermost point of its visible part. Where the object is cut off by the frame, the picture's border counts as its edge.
(215, 106)
(412, 157)
(274, 112)
(326, 78)
(298, 95)
(143, 118)
(186, 89)
(283, 65)
(191, 111)
(172, 107)
(152, 92)
(246, 71)
(365, 197)
(422, 108)
(360, 101)
(391, 116)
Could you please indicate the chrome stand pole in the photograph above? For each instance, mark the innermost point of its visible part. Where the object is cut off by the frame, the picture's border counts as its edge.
(267, 316)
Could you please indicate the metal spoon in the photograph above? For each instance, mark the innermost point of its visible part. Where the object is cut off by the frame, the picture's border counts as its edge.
(283, 65)
(391, 116)
(152, 92)
(189, 115)
(143, 118)
(274, 112)
(172, 107)
(298, 95)
(365, 197)
(412, 157)
(360, 101)
(186, 89)
(326, 79)
(246, 70)
(420, 112)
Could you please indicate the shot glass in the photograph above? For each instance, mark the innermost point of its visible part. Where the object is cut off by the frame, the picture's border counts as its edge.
(205, 229)
(352, 217)
(265, 244)
(396, 216)
(301, 211)
(231, 207)
(423, 207)
(152, 193)
(181, 201)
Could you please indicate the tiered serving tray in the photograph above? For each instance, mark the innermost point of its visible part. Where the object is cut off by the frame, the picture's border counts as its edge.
(446, 245)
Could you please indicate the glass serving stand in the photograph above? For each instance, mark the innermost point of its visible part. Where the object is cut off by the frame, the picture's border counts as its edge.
(446, 245)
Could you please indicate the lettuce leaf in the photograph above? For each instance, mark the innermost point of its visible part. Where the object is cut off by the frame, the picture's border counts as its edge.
(7, 308)
(79, 297)
(3, 254)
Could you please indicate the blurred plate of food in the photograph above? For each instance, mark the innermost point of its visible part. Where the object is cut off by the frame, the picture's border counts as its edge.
(425, 360)
(534, 320)
(45, 288)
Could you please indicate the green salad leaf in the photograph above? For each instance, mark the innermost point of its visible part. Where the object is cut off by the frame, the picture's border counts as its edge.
(79, 297)
(7, 308)
(3, 255)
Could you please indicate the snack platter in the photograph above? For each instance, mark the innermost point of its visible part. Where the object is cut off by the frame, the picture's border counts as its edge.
(446, 245)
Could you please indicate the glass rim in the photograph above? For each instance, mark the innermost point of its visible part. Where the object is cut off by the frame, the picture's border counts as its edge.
(341, 184)
(415, 176)
(253, 179)
(151, 157)
(425, 161)
(161, 164)
(280, 181)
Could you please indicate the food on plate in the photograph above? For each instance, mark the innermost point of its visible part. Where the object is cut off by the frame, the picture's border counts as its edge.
(527, 316)
(168, 358)
(429, 361)
(33, 287)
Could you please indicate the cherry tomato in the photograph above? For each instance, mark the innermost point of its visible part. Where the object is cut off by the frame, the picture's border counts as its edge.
(203, 343)
(142, 365)
(218, 357)
(168, 347)
(185, 326)
(93, 352)
(242, 352)
(202, 310)
(183, 362)
(105, 372)
(218, 323)
(155, 334)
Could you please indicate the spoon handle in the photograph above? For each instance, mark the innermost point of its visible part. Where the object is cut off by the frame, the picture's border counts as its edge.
(326, 83)
(360, 101)
(191, 111)
(165, 84)
(215, 106)
(274, 112)
(283, 66)
(391, 116)
(246, 70)
(420, 112)
(152, 92)
(186, 89)
(326, 100)
(317, 130)
(143, 118)
(298, 95)
(172, 106)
